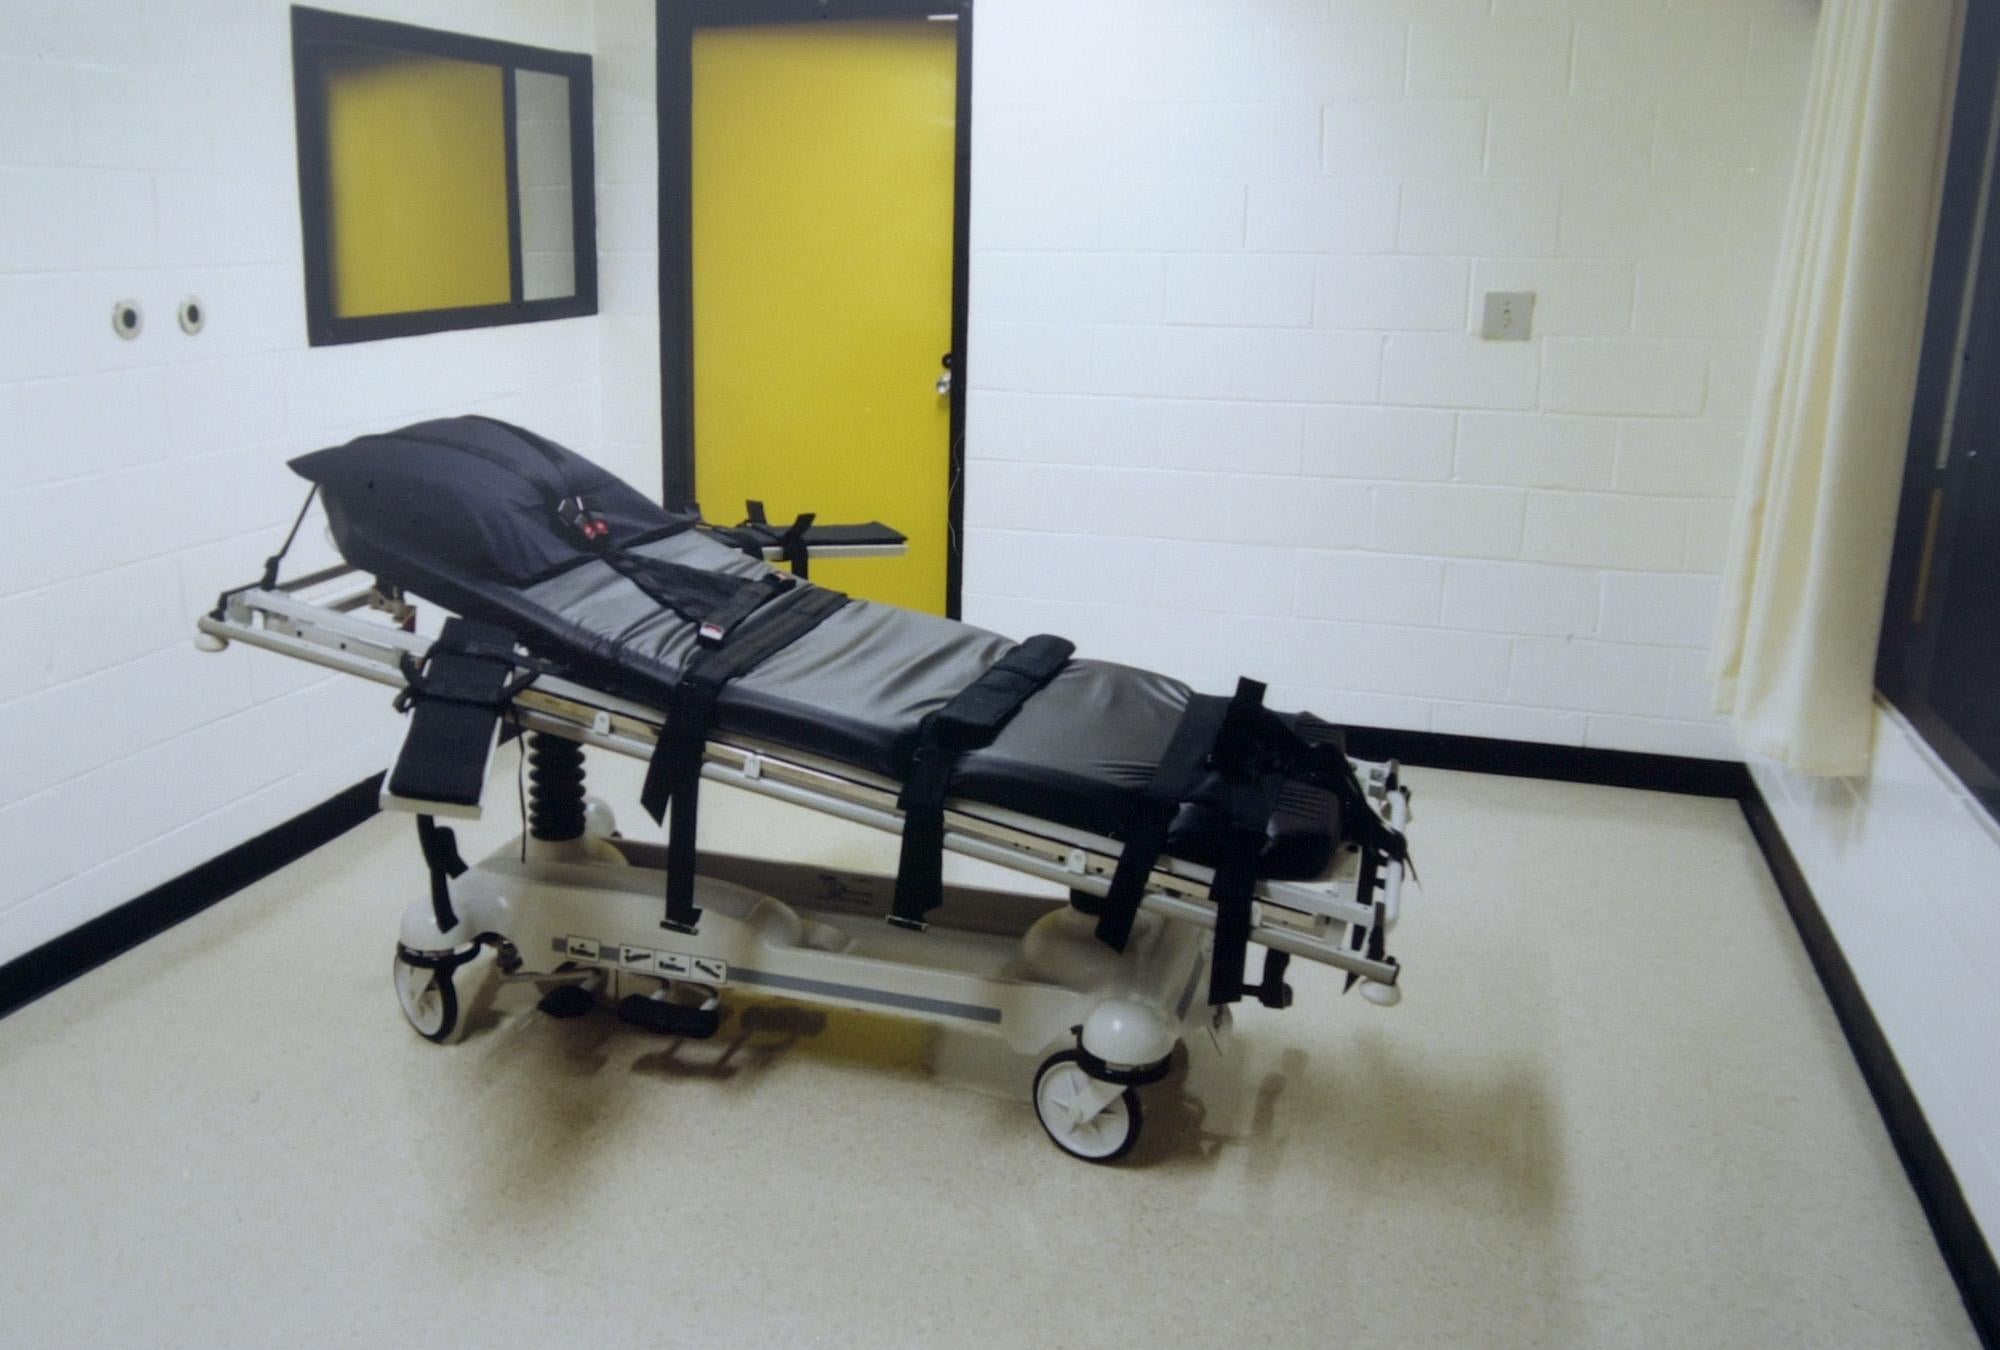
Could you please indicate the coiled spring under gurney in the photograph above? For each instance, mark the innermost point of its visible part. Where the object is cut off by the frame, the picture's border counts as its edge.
(555, 787)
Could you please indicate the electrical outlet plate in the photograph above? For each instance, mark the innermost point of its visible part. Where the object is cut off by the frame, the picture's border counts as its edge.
(1509, 316)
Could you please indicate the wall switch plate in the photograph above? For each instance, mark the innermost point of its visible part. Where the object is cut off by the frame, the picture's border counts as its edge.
(1509, 316)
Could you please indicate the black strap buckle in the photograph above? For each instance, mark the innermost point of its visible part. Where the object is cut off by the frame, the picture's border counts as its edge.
(586, 524)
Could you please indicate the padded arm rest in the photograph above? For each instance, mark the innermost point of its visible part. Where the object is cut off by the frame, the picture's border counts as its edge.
(872, 534)
(794, 544)
(456, 698)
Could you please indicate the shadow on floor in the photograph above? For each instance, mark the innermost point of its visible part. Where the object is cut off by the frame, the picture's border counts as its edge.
(1367, 1116)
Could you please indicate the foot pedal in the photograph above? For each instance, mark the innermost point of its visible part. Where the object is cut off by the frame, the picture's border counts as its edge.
(669, 1019)
(567, 1000)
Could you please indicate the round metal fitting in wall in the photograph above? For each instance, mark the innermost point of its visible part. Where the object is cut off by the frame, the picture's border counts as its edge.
(193, 316)
(127, 319)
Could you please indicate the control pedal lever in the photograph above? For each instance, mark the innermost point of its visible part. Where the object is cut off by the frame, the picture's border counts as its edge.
(669, 1019)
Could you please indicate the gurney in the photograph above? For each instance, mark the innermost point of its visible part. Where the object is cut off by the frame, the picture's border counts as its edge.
(1185, 830)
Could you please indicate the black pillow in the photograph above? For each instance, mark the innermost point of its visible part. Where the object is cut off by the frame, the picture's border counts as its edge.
(488, 498)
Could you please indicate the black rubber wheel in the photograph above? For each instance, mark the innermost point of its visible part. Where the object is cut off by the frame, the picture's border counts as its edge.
(1103, 1138)
(429, 998)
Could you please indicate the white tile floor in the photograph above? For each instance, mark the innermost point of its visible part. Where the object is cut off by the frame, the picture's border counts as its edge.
(1614, 1109)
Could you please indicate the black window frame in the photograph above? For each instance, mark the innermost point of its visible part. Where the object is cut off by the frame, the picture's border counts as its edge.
(1964, 297)
(312, 31)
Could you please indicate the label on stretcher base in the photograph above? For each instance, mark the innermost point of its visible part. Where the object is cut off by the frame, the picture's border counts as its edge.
(667, 965)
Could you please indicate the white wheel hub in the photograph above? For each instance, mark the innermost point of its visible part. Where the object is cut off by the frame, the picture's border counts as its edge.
(422, 1000)
(428, 997)
(1072, 1107)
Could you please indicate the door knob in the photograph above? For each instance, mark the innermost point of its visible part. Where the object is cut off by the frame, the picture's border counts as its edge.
(944, 380)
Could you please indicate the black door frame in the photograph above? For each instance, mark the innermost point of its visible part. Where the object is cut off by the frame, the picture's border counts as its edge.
(677, 21)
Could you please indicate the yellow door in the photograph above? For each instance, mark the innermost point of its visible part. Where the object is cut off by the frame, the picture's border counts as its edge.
(823, 157)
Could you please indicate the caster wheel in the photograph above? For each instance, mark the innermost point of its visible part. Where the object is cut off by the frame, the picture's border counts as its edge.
(1062, 1089)
(429, 995)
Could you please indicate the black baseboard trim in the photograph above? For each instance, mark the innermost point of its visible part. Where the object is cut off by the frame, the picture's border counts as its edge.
(1965, 1248)
(1563, 763)
(83, 949)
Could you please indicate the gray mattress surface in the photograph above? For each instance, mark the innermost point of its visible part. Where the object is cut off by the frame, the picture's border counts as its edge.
(461, 512)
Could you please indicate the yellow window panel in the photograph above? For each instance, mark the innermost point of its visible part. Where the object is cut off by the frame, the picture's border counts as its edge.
(417, 184)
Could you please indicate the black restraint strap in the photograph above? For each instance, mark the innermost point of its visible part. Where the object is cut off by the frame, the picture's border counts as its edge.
(1252, 753)
(1234, 887)
(440, 848)
(715, 601)
(1173, 781)
(971, 720)
(1214, 734)
(792, 541)
(673, 777)
(1254, 780)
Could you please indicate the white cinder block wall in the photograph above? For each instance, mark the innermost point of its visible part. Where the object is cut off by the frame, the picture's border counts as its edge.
(147, 151)
(1226, 252)
(1228, 414)
(1902, 863)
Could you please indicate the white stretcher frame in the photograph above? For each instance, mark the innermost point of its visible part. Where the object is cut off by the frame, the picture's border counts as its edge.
(321, 619)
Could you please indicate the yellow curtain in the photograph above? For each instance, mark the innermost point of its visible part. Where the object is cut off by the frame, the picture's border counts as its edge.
(1815, 516)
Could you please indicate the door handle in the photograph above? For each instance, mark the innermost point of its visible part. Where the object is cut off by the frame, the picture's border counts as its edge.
(944, 380)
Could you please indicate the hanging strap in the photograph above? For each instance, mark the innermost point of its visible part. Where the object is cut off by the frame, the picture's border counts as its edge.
(673, 776)
(1225, 736)
(440, 848)
(1253, 786)
(1252, 781)
(1233, 888)
(971, 720)
(1145, 837)
(269, 578)
(1252, 754)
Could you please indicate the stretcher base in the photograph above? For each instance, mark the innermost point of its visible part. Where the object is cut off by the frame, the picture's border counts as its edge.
(1026, 968)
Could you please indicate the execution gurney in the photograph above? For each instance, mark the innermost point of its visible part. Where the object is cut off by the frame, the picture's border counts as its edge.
(1185, 828)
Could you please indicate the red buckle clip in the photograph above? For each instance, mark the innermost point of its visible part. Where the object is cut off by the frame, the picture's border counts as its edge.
(594, 529)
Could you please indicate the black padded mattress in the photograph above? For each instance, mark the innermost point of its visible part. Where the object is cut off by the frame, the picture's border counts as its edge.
(479, 517)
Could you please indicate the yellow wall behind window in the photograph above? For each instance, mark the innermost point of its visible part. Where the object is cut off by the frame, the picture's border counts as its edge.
(417, 184)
